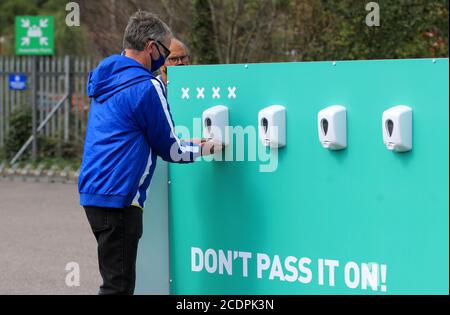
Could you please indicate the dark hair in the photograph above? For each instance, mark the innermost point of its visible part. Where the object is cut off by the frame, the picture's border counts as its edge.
(142, 27)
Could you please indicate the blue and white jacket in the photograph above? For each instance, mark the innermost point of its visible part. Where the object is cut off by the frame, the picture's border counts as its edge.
(129, 125)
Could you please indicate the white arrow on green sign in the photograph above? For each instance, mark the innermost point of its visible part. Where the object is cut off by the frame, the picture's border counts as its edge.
(35, 35)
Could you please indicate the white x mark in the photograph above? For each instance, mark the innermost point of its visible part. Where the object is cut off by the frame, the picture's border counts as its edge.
(232, 92)
(216, 92)
(200, 93)
(185, 93)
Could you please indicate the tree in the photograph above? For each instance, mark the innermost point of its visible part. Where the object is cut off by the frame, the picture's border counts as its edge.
(240, 31)
(203, 35)
(345, 35)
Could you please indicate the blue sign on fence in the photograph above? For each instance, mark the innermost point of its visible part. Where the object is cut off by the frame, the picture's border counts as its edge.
(17, 82)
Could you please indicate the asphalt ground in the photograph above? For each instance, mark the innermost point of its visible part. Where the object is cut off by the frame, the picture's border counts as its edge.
(43, 229)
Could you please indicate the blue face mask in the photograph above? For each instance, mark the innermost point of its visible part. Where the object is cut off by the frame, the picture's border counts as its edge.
(158, 63)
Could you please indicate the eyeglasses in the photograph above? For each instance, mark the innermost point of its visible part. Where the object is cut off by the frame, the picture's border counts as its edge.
(179, 59)
(167, 50)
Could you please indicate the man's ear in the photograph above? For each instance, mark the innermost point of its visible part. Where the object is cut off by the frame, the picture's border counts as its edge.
(149, 47)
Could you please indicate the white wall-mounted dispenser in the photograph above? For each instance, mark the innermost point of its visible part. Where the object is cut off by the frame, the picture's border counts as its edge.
(332, 122)
(397, 128)
(272, 126)
(215, 123)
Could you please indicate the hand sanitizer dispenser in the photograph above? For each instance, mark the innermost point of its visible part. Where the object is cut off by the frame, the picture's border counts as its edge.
(397, 128)
(272, 126)
(333, 127)
(215, 123)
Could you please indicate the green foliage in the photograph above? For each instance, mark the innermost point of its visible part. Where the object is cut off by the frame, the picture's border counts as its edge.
(235, 31)
(61, 163)
(20, 126)
(19, 131)
(401, 34)
(314, 30)
(409, 29)
(54, 147)
(203, 35)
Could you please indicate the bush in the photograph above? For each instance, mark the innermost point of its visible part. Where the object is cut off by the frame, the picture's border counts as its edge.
(19, 131)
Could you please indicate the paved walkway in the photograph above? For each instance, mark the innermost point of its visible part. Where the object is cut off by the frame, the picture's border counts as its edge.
(42, 230)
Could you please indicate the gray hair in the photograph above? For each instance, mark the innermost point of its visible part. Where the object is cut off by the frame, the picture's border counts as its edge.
(186, 48)
(142, 27)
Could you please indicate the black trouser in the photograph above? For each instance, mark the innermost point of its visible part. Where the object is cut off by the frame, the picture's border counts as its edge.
(117, 232)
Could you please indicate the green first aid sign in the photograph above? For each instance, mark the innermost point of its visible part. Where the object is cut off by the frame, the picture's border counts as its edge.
(35, 35)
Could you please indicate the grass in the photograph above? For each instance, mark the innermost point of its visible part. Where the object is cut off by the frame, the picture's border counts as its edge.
(73, 164)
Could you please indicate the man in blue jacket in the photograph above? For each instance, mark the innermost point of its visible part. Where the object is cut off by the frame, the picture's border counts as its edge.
(129, 126)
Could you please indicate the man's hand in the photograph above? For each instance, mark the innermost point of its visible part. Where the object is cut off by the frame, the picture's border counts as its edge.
(209, 147)
(197, 141)
(164, 74)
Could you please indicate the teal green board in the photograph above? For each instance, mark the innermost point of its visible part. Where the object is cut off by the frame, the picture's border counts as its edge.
(364, 220)
(152, 265)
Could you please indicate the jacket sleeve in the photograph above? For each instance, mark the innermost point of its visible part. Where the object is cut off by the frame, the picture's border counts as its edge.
(153, 116)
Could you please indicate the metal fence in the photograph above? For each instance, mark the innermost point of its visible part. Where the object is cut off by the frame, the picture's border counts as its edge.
(56, 90)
